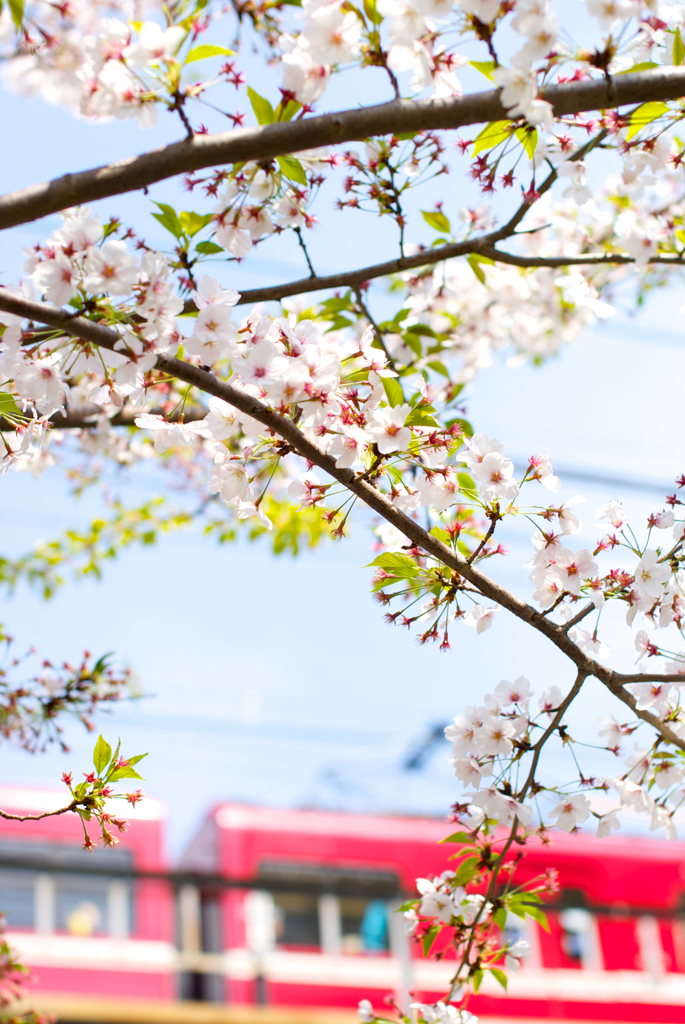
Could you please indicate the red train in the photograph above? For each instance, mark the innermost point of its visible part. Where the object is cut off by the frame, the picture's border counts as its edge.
(319, 927)
(279, 909)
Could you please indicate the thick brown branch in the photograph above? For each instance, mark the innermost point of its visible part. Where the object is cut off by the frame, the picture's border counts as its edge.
(105, 337)
(89, 415)
(269, 141)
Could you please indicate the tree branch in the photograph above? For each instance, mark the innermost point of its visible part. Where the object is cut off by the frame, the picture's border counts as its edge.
(429, 257)
(88, 416)
(105, 337)
(38, 817)
(537, 749)
(585, 259)
(269, 141)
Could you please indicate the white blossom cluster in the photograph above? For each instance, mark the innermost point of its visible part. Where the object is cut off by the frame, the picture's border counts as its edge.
(99, 58)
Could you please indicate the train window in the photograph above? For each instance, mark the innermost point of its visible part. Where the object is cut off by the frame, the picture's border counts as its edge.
(364, 925)
(17, 899)
(297, 922)
(81, 904)
(576, 925)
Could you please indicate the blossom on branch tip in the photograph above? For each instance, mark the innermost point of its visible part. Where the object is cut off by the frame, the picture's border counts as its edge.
(480, 617)
(571, 812)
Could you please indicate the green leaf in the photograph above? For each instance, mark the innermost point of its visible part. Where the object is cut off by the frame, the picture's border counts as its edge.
(646, 65)
(422, 329)
(493, 133)
(287, 112)
(428, 939)
(456, 837)
(444, 536)
(439, 367)
(499, 975)
(168, 218)
(8, 406)
(406, 136)
(524, 909)
(474, 262)
(202, 52)
(263, 110)
(208, 248)
(17, 11)
(124, 773)
(477, 979)
(136, 758)
(437, 220)
(528, 137)
(408, 905)
(678, 48)
(538, 915)
(102, 755)
(467, 870)
(644, 115)
(500, 918)
(486, 67)
(420, 418)
(292, 169)
(371, 13)
(394, 562)
(393, 391)
(193, 222)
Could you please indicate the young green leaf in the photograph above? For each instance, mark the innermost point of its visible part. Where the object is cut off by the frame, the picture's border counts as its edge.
(393, 391)
(398, 564)
(477, 979)
(486, 67)
(436, 219)
(102, 755)
(467, 870)
(444, 536)
(124, 773)
(263, 110)
(8, 405)
(428, 940)
(420, 418)
(644, 115)
(493, 133)
(193, 222)
(537, 915)
(168, 218)
(202, 52)
(287, 112)
(500, 976)
(208, 248)
(678, 48)
(17, 11)
(474, 262)
(456, 837)
(500, 918)
(528, 137)
(292, 169)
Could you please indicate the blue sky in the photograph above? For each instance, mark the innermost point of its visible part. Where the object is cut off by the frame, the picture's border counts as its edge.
(276, 680)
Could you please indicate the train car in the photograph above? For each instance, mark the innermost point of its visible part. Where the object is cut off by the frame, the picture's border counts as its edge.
(305, 917)
(86, 923)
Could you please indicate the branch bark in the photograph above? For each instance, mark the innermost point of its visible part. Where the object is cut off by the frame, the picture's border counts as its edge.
(483, 246)
(269, 141)
(88, 415)
(105, 337)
